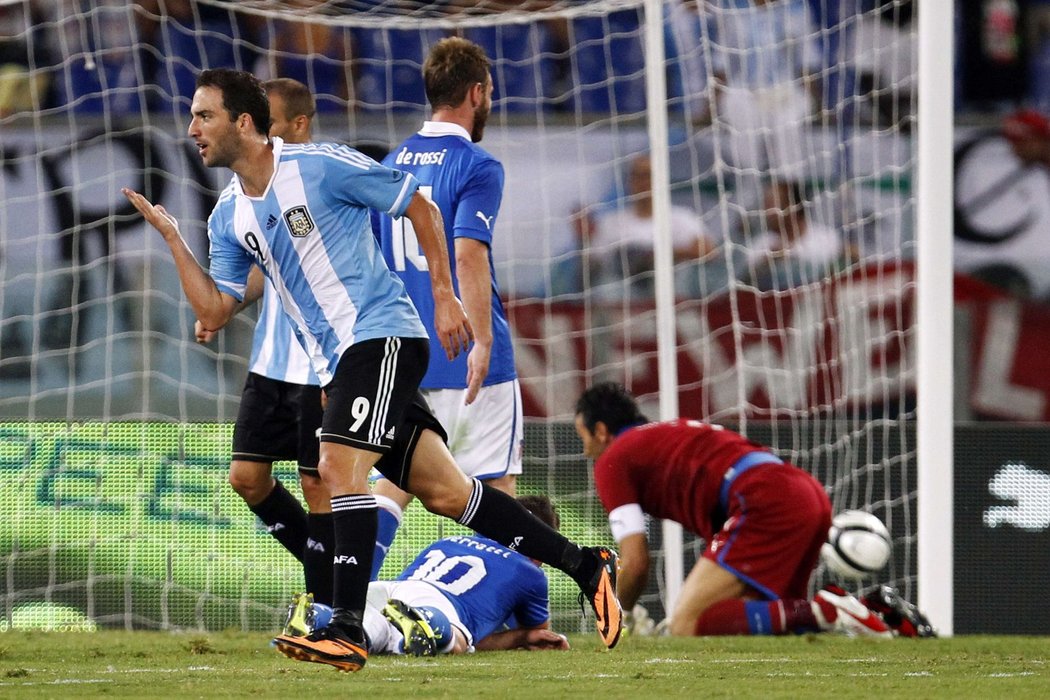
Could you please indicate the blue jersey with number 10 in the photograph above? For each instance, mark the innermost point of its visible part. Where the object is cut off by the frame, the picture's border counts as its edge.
(467, 185)
(487, 583)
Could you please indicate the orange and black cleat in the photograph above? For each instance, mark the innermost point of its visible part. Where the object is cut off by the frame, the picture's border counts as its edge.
(602, 594)
(328, 645)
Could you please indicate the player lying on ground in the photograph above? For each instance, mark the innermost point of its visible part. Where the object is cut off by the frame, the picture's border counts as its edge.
(460, 594)
(300, 212)
(764, 521)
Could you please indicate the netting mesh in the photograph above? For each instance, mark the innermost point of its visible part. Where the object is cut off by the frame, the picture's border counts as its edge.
(790, 154)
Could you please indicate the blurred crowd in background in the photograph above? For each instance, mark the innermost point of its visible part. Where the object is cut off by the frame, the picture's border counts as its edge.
(769, 73)
(49, 58)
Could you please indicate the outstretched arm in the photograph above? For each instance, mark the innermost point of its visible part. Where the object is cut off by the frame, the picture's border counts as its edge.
(450, 321)
(530, 639)
(634, 569)
(212, 307)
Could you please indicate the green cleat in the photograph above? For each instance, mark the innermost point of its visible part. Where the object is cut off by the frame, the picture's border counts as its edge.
(296, 624)
(419, 637)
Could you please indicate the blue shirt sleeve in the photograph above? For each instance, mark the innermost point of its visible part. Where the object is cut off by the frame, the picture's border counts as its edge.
(479, 202)
(533, 610)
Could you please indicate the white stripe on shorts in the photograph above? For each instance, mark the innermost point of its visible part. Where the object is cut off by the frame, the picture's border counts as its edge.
(385, 387)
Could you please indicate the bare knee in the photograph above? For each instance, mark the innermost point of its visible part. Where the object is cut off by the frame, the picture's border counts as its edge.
(251, 480)
(315, 493)
(447, 499)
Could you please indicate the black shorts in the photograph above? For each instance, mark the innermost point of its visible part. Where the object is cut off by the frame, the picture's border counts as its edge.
(374, 384)
(278, 421)
(395, 464)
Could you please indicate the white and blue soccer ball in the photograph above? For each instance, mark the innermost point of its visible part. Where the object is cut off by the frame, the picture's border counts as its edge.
(858, 545)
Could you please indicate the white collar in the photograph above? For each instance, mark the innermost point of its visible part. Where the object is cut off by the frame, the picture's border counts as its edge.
(443, 129)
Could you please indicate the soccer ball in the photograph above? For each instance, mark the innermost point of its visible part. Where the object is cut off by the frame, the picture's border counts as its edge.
(858, 545)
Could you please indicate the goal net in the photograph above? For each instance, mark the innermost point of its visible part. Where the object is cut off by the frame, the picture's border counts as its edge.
(789, 145)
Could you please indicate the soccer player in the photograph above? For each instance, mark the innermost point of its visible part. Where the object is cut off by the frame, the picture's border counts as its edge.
(463, 594)
(764, 521)
(476, 397)
(280, 412)
(300, 212)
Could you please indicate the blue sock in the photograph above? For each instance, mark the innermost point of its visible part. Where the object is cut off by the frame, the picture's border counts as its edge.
(759, 621)
(441, 626)
(389, 521)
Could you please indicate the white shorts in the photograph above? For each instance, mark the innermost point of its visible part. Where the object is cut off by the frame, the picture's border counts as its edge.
(486, 436)
(417, 594)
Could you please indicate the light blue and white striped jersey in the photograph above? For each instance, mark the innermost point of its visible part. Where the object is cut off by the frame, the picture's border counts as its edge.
(276, 350)
(466, 183)
(310, 233)
(487, 583)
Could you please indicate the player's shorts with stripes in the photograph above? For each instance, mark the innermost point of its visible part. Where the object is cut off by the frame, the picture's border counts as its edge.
(278, 421)
(374, 384)
(485, 436)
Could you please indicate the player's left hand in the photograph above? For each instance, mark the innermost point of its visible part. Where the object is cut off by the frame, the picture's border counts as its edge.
(477, 370)
(544, 640)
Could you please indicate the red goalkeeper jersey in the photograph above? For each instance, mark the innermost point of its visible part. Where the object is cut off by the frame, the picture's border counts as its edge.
(672, 469)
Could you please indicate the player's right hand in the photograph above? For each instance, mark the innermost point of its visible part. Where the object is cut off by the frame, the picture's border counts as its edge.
(157, 216)
(544, 640)
(452, 326)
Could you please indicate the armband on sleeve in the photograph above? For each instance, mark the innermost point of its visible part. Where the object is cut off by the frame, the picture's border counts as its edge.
(627, 520)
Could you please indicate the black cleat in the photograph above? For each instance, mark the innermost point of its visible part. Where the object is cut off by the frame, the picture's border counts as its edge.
(903, 617)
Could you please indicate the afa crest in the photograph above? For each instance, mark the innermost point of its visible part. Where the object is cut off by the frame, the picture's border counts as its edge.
(299, 222)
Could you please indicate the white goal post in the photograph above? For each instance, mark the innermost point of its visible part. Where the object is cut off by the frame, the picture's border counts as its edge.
(935, 440)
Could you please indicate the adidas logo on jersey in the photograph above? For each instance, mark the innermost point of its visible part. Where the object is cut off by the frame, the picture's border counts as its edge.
(344, 559)
(271, 221)
(389, 435)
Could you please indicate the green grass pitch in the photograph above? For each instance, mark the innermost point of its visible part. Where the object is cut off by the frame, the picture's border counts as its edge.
(242, 665)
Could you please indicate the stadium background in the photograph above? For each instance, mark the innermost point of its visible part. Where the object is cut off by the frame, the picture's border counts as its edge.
(113, 497)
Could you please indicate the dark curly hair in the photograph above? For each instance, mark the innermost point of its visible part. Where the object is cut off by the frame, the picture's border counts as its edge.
(242, 93)
(609, 403)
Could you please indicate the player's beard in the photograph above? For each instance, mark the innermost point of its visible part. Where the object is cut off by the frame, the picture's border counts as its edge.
(481, 115)
(219, 156)
(222, 149)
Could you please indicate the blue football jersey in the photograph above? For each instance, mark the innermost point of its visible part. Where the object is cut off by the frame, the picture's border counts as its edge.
(276, 350)
(466, 183)
(310, 233)
(488, 584)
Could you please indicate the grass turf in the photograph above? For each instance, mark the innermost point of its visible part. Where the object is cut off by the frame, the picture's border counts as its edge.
(240, 665)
